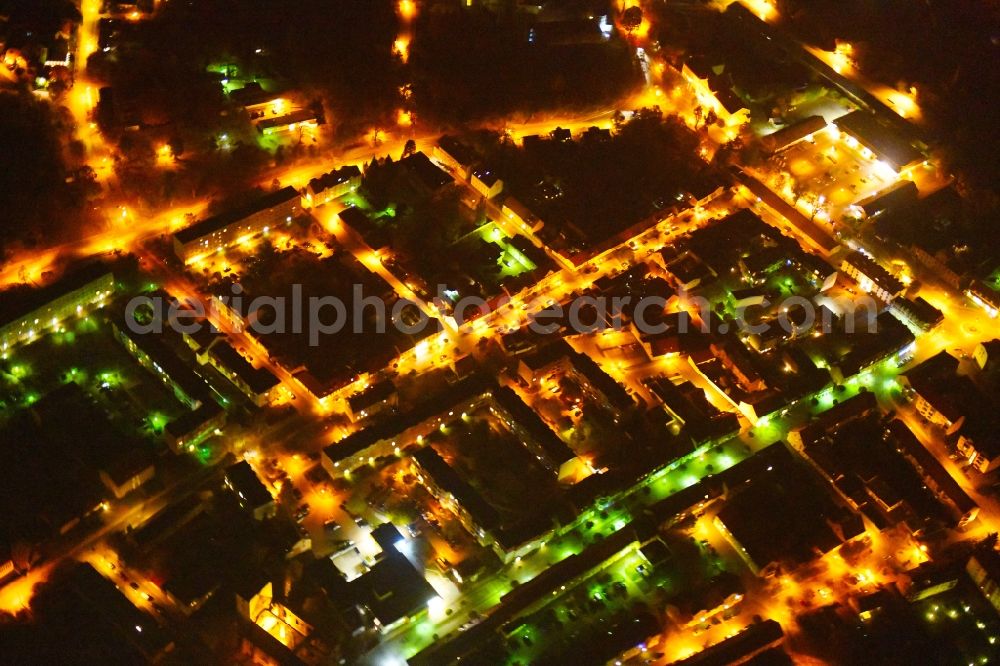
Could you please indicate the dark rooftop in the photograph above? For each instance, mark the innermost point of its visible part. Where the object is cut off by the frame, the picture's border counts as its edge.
(244, 482)
(879, 138)
(223, 220)
(429, 174)
(393, 589)
(334, 178)
(18, 302)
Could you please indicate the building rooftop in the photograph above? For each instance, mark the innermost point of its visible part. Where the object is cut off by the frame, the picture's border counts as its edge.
(786, 136)
(251, 94)
(486, 176)
(739, 649)
(446, 478)
(223, 220)
(874, 272)
(782, 515)
(829, 421)
(614, 392)
(244, 482)
(190, 382)
(392, 589)
(459, 151)
(881, 139)
(392, 426)
(373, 395)
(190, 421)
(334, 178)
(18, 302)
(429, 174)
(295, 117)
(260, 380)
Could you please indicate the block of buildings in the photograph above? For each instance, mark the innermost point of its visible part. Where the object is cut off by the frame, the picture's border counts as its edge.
(916, 313)
(387, 436)
(259, 385)
(884, 142)
(226, 229)
(153, 354)
(331, 185)
(252, 494)
(560, 357)
(784, 517)
(456, 155)
(393, 592)
(27, 314)
(934, 474)
(871, 277)
(521, 215)
(858, 407)
(377, 398)
(486, 181)
(193, 426)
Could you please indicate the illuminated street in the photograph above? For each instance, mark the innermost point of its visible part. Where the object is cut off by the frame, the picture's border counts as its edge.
(431, 333)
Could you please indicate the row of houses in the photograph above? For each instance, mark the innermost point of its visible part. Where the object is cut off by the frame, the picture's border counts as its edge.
(25, 315)
(464, 161)
(957, 405)
(271, 211)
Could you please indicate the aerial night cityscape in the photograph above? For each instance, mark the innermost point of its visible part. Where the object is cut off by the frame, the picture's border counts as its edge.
(499, 332)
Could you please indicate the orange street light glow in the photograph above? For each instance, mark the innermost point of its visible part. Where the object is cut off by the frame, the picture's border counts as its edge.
(401, 47)
(763, 9)
(407, 9)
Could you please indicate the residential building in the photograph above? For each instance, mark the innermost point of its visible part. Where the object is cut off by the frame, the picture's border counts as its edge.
(987, 355)
(455, 494)
(258, 384)
(917, 313)
(25, 315)
(985, 297)
(455, 155)
(871, 277)
(757, 639)
(375, 399)
(521, 215)
(769, 537)
(426, 176)
(273, 112)
(940, 401)
(978, 439)
(934, 474)
(486, 181)
(237, 225)
(598, 384)
(858, 407)
(300, 119)
(154, 355)
(984, 569)
(386, 437)
(252, 494)
(331, 185)
(393, 592)
(193, 426)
